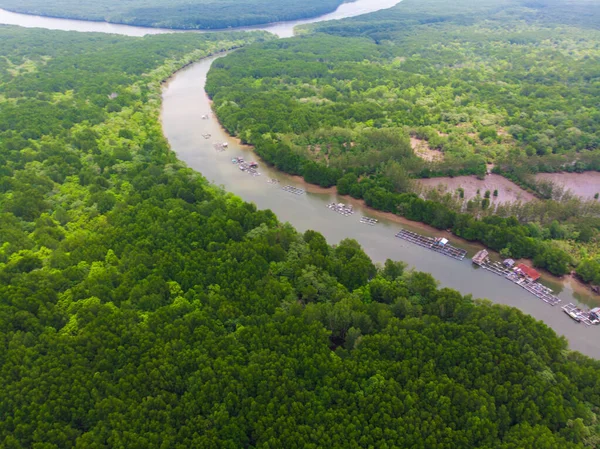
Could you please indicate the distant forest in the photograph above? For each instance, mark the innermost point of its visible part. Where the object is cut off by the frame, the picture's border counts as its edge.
(142, 307)
(183, 14)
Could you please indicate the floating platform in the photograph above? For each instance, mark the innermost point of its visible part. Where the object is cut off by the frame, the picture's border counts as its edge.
(341, 209)
(578, 315)
(535, 288)
(438, 245)
(294, 190)
(248, 168)
(369, 221)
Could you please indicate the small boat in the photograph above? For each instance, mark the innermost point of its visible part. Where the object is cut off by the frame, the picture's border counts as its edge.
(252, 164)
(234, 160)
(574, 315)
(224, 144)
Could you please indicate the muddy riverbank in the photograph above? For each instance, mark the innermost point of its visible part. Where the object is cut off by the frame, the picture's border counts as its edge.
(184, 103)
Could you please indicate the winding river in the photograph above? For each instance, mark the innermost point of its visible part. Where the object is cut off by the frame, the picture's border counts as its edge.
(281, 29)
(184, 104)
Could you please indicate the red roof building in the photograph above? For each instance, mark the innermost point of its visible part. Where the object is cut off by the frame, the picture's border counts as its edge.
(528, 272)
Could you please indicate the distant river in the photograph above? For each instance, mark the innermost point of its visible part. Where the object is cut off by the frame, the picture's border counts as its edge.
(184, 104)
(282, 29)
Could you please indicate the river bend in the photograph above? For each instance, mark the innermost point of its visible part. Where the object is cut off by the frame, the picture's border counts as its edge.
(184, 104)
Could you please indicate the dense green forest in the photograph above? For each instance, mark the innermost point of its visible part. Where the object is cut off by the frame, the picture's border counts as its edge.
(142, 307)
(184, 14)
(475, 82)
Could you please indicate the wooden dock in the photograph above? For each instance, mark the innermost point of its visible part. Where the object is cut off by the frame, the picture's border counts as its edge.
(341, 209)
(294, 190)
(432, 244)
(369, 221)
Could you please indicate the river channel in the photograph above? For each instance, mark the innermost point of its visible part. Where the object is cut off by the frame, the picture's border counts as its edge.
(281, 29)
(185, 103)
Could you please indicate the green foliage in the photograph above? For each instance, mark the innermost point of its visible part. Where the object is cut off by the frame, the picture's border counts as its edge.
(196, 14)
(141, 306)
(479, 81)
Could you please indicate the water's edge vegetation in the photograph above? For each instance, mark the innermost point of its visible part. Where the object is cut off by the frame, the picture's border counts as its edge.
(143, 307)
(508, 83)
(178, 14)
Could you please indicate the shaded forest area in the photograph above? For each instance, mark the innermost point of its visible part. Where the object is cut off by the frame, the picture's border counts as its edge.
(476, 82)
(182, 14)
(141, 306)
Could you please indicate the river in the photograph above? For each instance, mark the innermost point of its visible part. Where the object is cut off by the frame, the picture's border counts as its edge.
(281, 29)
(184, 104)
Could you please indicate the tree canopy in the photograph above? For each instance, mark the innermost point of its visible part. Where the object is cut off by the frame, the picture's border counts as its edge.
(509, 83)
(141, 306)
(184, 14)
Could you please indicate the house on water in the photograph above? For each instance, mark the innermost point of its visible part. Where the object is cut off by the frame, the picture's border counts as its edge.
(528, 272)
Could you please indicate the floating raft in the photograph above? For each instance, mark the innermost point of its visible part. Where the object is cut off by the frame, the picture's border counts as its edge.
(220, 146)
(273, 181)
(206, 136)
(293, 190)
(248, 168)
(341, 209)
(438, 245)
(369, 221)
(535, 288)
(577, 314)
(495, 267)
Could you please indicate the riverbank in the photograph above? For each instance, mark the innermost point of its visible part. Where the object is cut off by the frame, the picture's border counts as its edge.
(211, 15)
(583, 293)
(184, 102)
(281, 29)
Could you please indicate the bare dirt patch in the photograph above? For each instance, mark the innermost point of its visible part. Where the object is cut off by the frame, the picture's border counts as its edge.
(585, 185)
(424, 151)
(508, 191)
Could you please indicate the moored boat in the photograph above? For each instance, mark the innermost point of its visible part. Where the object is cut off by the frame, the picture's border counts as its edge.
(574, 315)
